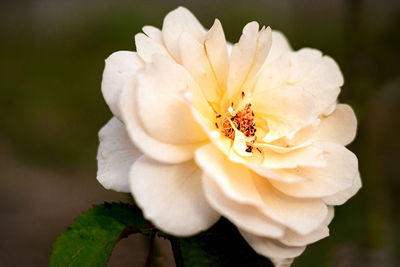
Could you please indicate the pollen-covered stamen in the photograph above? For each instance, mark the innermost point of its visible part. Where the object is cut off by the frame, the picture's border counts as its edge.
(242, 120)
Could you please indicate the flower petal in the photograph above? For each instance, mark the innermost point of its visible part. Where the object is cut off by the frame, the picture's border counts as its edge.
(244, 216)
(161, 106)
(148, 144)
(217, 52)
(247, 58)
(339, 127)
(280, 45)
(115, 156)
(154, 33)
(120, 67)
(195, 60)
(317, 74)
(147, 47)
(243, 186)
(271, 248)
(341, 197)
(337, 176)
(292, 238)
(175, 23)
(171, 196)
(287, 109)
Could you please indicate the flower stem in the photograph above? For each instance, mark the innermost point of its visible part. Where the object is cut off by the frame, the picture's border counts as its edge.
(151, 248)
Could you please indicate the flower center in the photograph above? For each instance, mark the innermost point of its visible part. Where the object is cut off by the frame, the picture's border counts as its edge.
(241, 120)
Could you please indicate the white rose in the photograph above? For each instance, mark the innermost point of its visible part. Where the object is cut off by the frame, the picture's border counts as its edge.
(252, 132)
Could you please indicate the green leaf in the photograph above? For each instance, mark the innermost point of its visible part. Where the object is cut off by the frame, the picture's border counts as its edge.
(221, 245)
(90, 239)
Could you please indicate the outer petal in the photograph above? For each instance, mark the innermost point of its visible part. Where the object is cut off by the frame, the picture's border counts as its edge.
(246, 217)
(171, 196)
(161, 106)
(339, 127)
(115, 156)
(319, 75)
(294, 239)
(175, 23)
(120, 67)
(343, 196)
(280, 45)
(146, 47)
(339, 174)
(241, 185)
(149, 145)
(154, 33)
(271, 248)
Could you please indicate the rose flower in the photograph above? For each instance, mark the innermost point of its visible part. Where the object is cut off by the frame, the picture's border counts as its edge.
(251, 131)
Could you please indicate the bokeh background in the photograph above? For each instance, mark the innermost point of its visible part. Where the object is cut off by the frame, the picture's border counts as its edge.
(51, 60)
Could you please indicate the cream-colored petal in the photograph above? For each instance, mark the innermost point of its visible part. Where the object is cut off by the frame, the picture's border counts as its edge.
(175, 23)
(318, 74)
(243, 186)
(148, 144)
(119, 68)
(154, 33)
(246, 217)
(339, 127)
(287, 109)
(247, 58)
(310, 156)
(196, 62)
(171, 196)
(280, 45)
(341, 197)
(292, 238)
(217, 52)
(147, 47)
(115, 156)
(271, 248)
(338, 175)
(161, 106)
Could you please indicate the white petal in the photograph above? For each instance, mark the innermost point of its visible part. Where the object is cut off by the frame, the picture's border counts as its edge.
(248, 55)
(120, 67)
(319, 75)
(271, 248)
(339, 127)
(243, 186)
(343, 196)
(147, 47)
(154, 33)
(244, 216)
(161, 106)
(217, 51)
(280, 45)
(337, 176)
(294, 239)
(310, 156)
(115, 156)
(284, 262)
(196, 62)
(287, 109)
(175, 23)
(149, 145)
(171, 196)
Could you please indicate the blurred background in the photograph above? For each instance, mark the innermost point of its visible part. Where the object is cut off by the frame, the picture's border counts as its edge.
(51, 61)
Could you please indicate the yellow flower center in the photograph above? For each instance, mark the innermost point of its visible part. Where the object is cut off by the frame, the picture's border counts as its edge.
(238, 120)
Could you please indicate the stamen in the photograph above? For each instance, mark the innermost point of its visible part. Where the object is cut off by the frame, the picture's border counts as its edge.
(243, 121)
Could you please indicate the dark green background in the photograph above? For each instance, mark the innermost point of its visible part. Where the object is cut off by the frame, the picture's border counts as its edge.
(51, 108)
